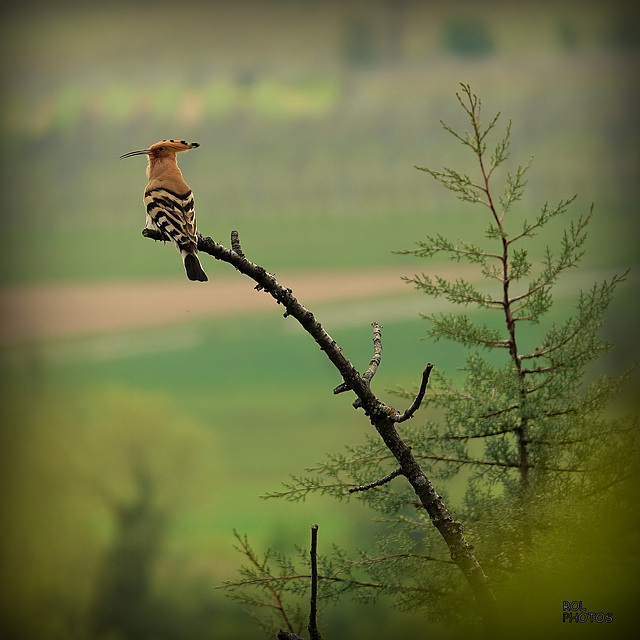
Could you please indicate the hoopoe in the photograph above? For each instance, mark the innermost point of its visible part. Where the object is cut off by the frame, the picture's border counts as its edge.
(169, 202)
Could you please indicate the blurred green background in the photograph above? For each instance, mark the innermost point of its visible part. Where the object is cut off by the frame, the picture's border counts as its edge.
(135, 439)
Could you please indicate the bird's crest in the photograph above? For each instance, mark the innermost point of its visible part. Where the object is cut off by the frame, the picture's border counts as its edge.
(164, 148)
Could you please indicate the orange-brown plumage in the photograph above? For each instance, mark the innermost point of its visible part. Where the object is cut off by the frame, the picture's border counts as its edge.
(162, 169)
(169, 202)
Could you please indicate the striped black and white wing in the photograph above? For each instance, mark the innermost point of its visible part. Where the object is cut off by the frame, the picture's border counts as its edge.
(173, 215)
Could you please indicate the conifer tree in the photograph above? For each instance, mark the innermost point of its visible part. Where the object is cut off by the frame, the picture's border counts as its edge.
(523, 427)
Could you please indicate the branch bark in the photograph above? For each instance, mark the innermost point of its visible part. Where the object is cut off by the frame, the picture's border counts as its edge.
(382, 416)
(312, 627)
(287, 635)
(377, 483)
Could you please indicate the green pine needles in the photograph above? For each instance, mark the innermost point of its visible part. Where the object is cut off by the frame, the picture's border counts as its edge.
(523, 421)
(520, 432)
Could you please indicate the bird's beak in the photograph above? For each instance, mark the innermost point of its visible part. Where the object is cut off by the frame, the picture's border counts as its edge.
(142, 152)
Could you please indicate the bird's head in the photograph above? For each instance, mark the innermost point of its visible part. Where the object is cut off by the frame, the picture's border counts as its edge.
(163, 149)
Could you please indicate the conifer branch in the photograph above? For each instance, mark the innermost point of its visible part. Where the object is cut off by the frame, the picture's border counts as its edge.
(462, 329)
(603, 488)
(587, 438)
(472, 461)
(496, 463)
(588, 305)
(394, 557)
(458, 292)
(434, 245)
(529, 229)
(298, 492)
(471, 436)
(293, 577)
(500, 412)
(260, 571)
(468, 436)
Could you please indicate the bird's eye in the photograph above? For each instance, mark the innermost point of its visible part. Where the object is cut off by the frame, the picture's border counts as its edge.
(160, 148)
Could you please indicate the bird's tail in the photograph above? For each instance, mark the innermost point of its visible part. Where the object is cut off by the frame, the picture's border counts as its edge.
(193, 267)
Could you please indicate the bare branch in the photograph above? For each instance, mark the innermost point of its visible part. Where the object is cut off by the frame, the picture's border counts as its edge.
(378, 483)
(314, 633)
(341, 388)
(379, 414)
(373, 364)
(287, 635)
(235, 243)
(408, 413)
(377, 352)
(154, 235)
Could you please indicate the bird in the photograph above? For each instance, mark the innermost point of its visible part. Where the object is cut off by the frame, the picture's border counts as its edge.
(169, 203)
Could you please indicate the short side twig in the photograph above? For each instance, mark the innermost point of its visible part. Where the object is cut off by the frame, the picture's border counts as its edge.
(158, 236)
(235, 243)
(408, 413)
(377, 352)
(373, 364)
(341, 388)
(378, 483)
(287, 635)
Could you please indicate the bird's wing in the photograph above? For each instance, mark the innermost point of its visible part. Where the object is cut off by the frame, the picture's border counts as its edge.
(173, 214)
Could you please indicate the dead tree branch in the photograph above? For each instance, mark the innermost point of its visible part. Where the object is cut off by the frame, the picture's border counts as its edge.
(382, 416)
(287, 635)
(373, 365)
(377, 483)
(408, 413)
(312, 627)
